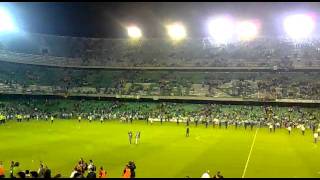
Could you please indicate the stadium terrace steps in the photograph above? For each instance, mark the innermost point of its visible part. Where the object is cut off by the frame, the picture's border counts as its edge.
(76, 52)
(56, 62)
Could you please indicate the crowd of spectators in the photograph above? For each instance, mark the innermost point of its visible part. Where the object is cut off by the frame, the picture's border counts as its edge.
(262, 52)
(45, 109)
(17, 172)
(27, 79)
(81, 170)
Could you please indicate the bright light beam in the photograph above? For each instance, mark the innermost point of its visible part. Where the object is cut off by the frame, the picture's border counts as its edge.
(221, 30)
(6, 22)
(299, 26)
(134, 32)
(176, 31)
(246, 30)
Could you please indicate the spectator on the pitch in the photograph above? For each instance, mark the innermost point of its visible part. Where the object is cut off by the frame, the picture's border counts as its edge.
(81, 166)
(187, 132)
(270, 127)
(12, 169)
(16, 170)
(274, 127)
(132, 167)
(126, 172)
(34, 174)
(137, 137)
(91, 173)
(102, 173)
(41, 171)
(289, 129)
(21, 175)
(28, 175)
(206, 174)
(91, 166)
(75, 173)
(315, 136)
(303, 129)
(313, 127)
(2, 170)
(130, 136)
(218, 175)
(47, 172)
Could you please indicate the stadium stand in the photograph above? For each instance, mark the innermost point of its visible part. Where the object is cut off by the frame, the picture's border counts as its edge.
(75, 51)
(29, 79)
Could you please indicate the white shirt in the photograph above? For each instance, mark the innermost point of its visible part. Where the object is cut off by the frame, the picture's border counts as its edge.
(72, 174)
(90, 166)
(289, 128)
(205, 175)
(315, 135)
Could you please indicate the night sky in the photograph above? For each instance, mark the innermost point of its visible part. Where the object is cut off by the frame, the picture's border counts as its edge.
(109, 19)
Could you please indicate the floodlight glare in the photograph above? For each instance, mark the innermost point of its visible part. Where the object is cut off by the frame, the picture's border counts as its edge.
(246, 30)
(221, 30)
(176, 31)
(299, 26)
(134, 32)
(6, 22)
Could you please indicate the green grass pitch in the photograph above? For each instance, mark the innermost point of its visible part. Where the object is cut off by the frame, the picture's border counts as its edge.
(164, 150)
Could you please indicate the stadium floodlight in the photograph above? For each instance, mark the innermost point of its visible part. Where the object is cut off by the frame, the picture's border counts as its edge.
(246, 30)
(221, 29)
(177, 31)
(134, 32)
(6, 22)
(299, 26)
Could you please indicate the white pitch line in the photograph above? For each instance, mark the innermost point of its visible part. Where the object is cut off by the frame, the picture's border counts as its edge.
(254, 139)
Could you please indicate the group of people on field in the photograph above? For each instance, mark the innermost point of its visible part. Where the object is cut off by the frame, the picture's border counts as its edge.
(81, 170)
(17, 172)
(90, 169)
(137, 137)
(206, 174)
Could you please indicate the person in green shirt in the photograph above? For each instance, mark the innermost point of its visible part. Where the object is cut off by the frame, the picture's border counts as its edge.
(16, 169)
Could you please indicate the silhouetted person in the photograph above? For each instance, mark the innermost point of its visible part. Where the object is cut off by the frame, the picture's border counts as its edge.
(218, 175)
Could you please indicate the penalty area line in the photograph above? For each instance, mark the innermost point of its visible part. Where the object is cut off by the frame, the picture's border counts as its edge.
(254, 140)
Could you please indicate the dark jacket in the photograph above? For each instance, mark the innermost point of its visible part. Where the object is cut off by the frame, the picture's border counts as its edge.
(132, 167)
(92, 175)
(47, 173)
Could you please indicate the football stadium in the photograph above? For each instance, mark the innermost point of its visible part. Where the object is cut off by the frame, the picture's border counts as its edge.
(137, 101)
